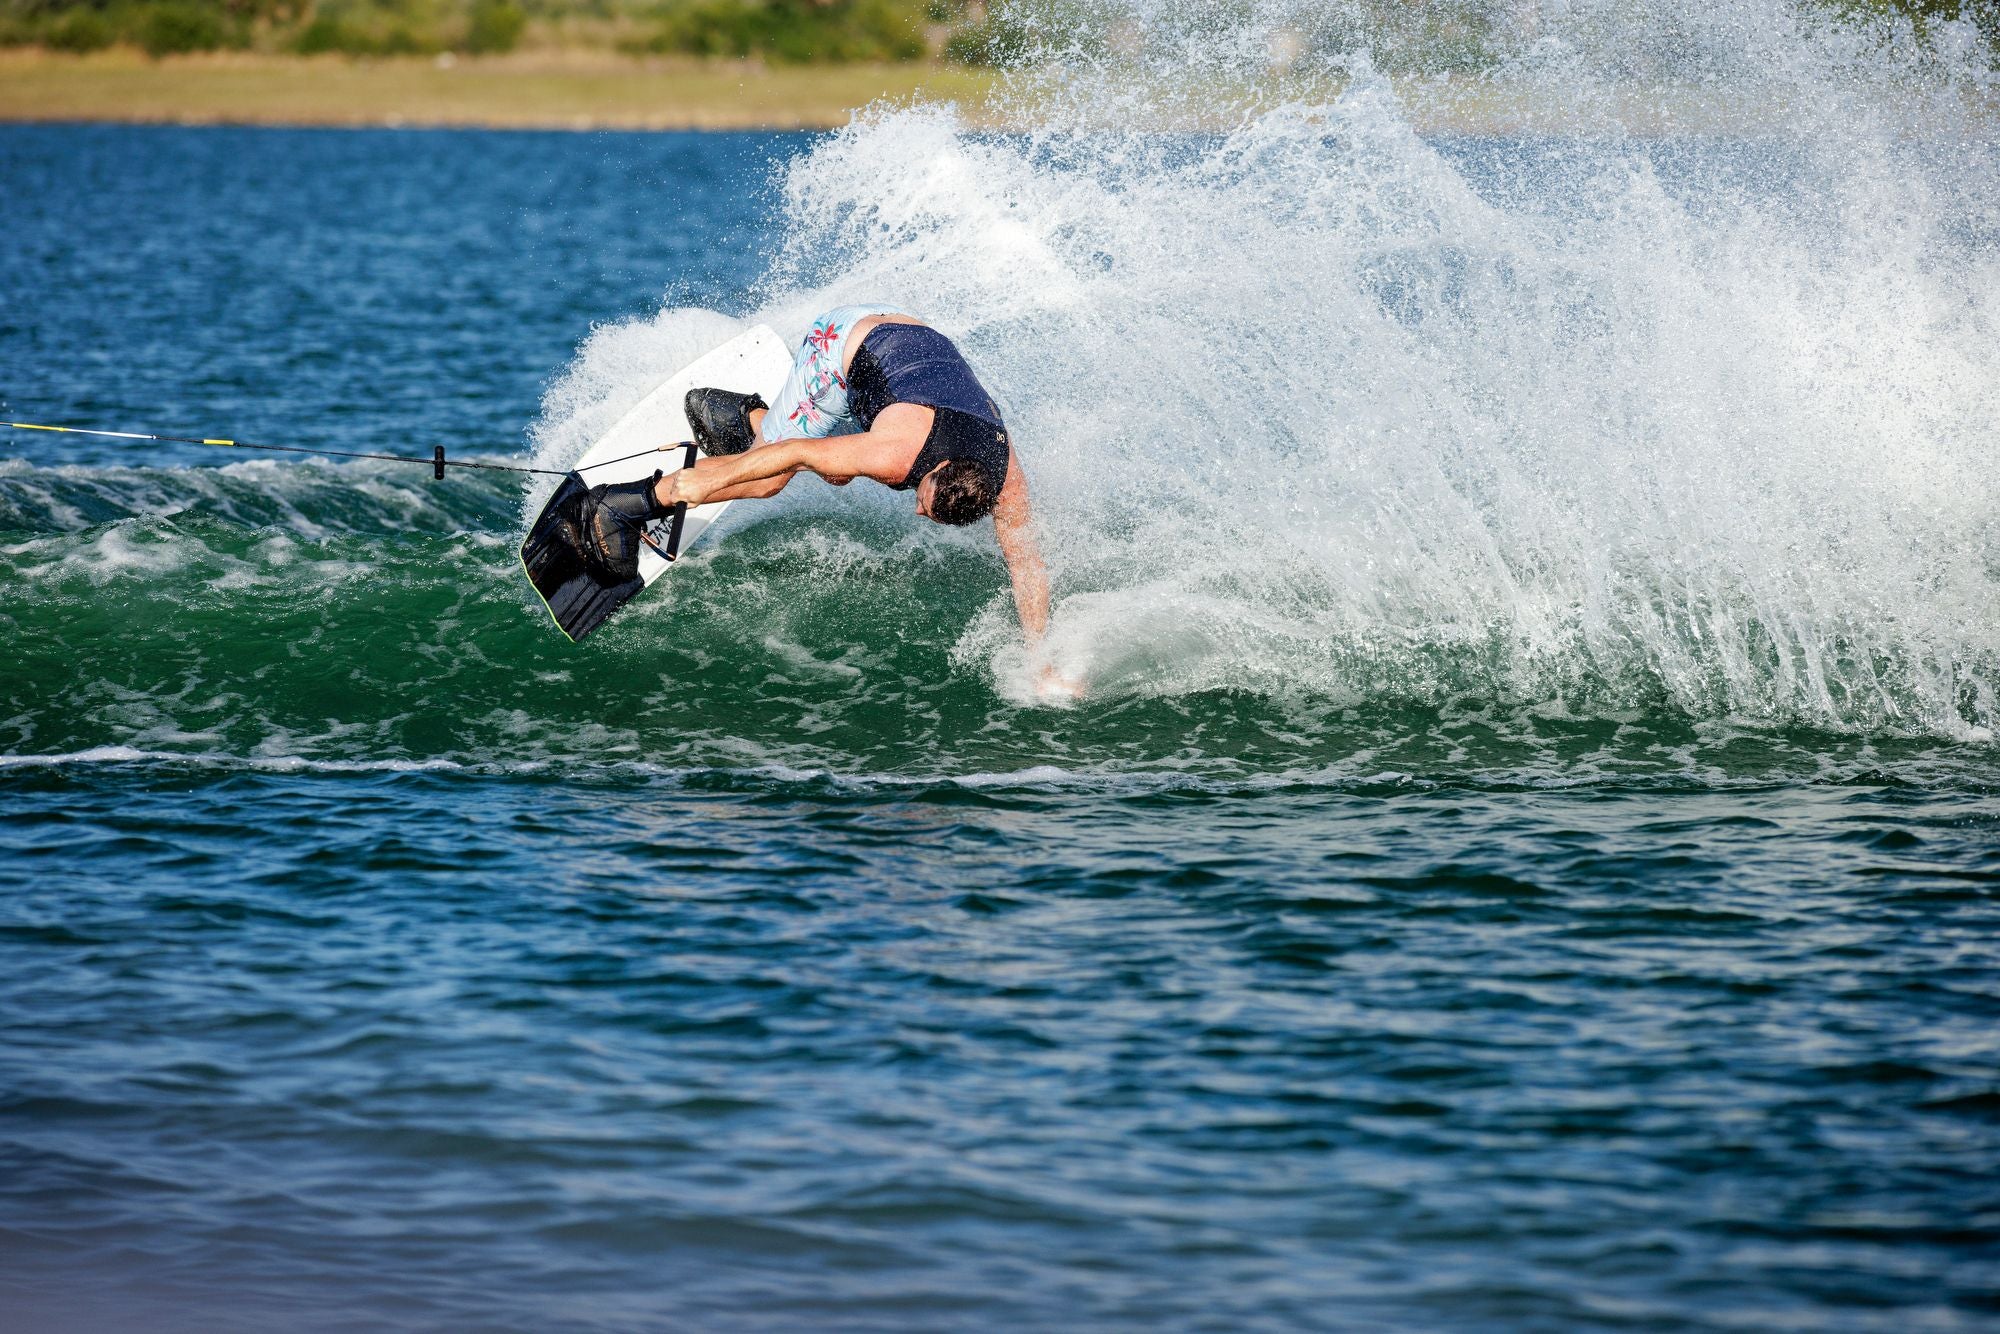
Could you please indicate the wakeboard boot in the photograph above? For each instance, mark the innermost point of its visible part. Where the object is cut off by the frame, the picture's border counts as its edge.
(721, 419)
(612, 524)
(582, 554)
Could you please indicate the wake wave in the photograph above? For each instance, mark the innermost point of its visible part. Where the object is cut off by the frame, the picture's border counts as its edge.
(1345, 437)
(1316, 405)
(812, 647)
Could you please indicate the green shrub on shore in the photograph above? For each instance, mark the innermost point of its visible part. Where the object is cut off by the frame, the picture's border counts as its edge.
(336, 32)
(176, 27)
(345, 27)
(496, 27)
(79, 31)
(995, 40)
(790, 31)
(326, 33)
(409, 28)
(160, 27)
(785, 31)
(1925, 15)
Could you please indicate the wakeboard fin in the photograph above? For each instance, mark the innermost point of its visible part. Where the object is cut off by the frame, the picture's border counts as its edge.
(579, 593)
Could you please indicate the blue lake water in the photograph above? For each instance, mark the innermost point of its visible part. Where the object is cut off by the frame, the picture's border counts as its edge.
(1495, 880)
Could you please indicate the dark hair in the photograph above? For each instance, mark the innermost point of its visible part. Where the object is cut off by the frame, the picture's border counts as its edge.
(963, 492)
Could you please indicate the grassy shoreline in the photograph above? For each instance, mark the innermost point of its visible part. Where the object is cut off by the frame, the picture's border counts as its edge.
(580, 90)
(586, 89)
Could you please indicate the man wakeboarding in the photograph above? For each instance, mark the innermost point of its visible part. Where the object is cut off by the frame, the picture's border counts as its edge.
(873, 392)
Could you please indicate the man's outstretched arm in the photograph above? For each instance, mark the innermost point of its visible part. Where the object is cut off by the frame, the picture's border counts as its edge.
(1013, 525)
(768, 472)
(755, 473)
(763, 470)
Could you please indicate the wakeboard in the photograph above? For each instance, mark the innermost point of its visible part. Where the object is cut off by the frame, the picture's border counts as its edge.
(653, 436)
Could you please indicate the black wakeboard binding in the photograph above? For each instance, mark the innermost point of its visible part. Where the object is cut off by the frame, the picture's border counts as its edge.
(720, 419)
(614, 525)
(583, 553)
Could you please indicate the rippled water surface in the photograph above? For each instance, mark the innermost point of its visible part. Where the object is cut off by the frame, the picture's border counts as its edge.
(1534, 865)
(634, 1049)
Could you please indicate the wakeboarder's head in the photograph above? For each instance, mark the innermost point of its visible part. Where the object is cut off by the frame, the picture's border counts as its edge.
(957, 492)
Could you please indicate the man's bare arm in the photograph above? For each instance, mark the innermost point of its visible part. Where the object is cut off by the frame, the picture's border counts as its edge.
(730, 475)
(883, 454)
(1014, 527)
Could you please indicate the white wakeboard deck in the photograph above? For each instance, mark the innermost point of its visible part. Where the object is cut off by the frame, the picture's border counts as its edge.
(756, 362)
(649, 438)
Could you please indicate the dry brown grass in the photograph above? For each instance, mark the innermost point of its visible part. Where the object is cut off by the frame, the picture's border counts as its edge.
(596, 89)
(558, 90)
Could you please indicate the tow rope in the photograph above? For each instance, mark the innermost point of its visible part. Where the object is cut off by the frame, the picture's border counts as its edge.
(437, 462)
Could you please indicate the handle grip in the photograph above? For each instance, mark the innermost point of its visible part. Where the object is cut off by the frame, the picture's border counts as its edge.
(673, 550)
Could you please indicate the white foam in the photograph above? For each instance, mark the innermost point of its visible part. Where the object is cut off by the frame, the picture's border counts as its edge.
(221, 760)
(1313, 406)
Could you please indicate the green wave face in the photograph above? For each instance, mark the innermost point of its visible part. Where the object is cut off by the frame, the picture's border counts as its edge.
(350, 614)
(277, 615)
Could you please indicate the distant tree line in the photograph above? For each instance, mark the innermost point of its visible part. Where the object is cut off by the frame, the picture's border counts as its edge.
(1418, 37)
(778, 30)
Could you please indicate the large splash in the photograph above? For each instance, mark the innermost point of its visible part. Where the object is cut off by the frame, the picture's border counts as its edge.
(1599, 355)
